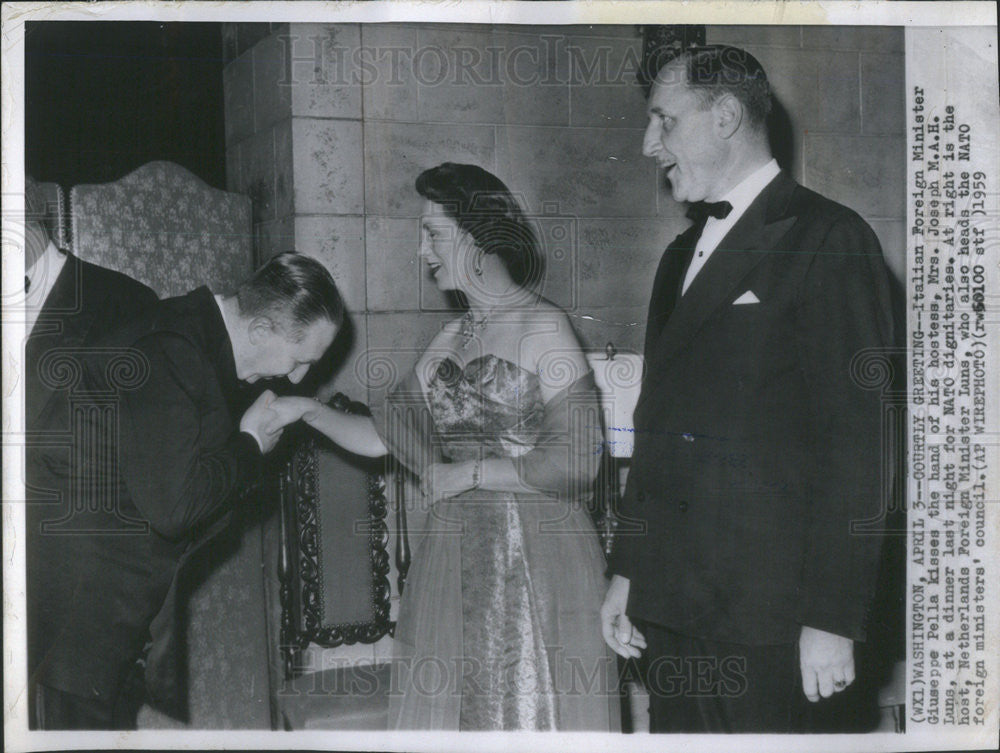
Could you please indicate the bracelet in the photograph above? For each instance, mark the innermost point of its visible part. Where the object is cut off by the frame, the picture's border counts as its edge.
(475, 473)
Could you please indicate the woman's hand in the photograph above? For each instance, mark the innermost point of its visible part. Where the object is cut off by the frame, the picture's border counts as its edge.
(288, 410)
(258, 420)
(444, 480)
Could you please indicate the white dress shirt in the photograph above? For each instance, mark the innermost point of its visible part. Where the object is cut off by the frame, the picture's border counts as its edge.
(42, 277)
(740, 196)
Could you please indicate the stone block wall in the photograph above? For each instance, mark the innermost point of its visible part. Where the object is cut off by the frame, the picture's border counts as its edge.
(844, 90)
(329, 125)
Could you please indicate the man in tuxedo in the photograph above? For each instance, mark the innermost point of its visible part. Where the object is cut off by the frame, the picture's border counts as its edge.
(70, 304)
(163, 446)
(757, 444)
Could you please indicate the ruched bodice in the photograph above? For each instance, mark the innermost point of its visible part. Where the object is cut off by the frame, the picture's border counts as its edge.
(491, 407)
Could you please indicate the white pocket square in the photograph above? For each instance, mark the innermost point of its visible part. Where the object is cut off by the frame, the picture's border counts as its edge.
(747, 297)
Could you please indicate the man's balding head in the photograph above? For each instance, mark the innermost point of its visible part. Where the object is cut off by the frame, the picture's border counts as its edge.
(714, 71)
(708, 109)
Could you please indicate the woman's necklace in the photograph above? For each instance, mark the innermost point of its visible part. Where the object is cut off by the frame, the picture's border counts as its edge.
(471, 326)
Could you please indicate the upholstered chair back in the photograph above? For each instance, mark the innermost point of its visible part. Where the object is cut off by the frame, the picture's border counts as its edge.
(165, 227)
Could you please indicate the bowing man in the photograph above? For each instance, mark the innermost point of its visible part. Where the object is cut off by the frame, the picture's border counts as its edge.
(161, 467)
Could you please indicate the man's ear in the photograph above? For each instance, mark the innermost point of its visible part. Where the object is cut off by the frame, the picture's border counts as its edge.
(260, 328)
(727, 112)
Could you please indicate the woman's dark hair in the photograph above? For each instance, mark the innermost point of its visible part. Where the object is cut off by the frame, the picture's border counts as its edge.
(295, 291)
(486, 209)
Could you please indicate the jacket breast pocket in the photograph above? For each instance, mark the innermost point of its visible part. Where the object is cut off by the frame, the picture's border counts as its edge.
(751, 345)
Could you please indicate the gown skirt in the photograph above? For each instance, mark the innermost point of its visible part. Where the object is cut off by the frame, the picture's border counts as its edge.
(499, 625)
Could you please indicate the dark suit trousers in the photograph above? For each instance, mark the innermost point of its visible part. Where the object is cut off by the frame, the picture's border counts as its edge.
(697, 685)
(52, 709)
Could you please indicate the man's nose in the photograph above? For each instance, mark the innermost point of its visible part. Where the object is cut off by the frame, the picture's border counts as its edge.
(651, 140)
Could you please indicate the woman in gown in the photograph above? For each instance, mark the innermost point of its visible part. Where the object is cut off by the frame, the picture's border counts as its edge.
(499, 627)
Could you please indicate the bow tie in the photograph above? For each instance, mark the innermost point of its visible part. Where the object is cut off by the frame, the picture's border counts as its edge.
(700, 211)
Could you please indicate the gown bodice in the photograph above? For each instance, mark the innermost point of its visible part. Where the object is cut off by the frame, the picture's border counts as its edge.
(490, 406)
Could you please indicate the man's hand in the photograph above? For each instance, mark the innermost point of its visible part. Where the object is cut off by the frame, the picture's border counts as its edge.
(827, 662)
(256, 420)
(618, 630)
(288, 410)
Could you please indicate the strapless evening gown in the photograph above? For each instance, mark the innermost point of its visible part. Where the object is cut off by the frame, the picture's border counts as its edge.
(499, 625)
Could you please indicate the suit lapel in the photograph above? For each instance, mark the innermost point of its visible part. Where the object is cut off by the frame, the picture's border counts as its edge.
(63, 322)
(752, 239)
(666, 284)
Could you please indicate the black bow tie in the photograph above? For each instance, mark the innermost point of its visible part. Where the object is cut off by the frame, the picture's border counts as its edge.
(700, 211)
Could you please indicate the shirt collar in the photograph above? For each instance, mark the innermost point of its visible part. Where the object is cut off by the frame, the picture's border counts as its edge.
(743, 193)
(42, 275)
(220, 342)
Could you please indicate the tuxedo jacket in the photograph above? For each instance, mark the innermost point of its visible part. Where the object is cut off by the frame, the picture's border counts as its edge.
(85, 303)
(160, 459)
(758, 429)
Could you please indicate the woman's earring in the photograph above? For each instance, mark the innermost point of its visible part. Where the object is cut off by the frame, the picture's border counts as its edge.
(478, 266)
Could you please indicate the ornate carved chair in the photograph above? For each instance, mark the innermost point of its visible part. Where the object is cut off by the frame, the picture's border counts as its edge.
(326, 532)
(333, 570)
